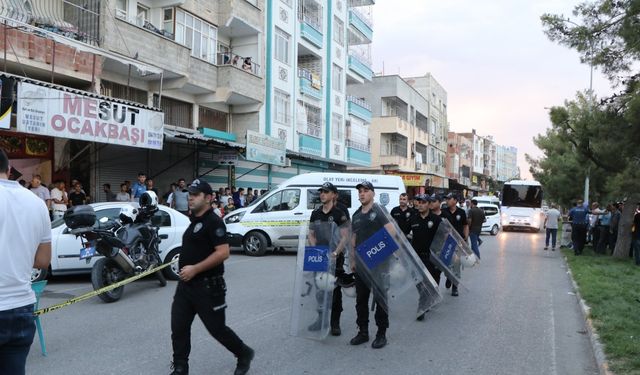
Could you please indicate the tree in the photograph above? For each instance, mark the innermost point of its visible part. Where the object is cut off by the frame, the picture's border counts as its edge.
(603, 136)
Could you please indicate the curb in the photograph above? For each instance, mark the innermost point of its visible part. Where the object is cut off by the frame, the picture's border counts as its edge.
(594, 338)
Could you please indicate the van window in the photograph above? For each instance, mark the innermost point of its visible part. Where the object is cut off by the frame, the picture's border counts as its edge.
(313, 198)
(490, 211)
(283, 200)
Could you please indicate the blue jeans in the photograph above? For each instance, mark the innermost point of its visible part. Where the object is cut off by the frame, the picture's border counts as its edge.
(554, 235)
(474, 243)
(17, 328)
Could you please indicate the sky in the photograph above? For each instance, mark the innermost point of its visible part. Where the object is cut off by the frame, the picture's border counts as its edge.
(499, 69)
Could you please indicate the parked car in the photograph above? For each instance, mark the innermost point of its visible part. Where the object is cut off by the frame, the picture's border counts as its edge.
(65, 247)
(492, 214)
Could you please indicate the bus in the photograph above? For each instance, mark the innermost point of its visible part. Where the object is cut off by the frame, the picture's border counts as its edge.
(522, 205)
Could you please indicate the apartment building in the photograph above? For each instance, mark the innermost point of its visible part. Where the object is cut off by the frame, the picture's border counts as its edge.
(459, 162)
(194, 65)
(507, 163)
(314, 49)
(400, 132)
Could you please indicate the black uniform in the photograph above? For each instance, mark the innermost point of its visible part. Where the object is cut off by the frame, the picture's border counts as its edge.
(458, 219)
(365, 225)
(340, 217)
(403, 218)
(205, 293)
(424, 230)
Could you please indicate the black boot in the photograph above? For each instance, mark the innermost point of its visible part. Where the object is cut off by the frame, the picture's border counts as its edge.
(180, 368)
(381, 339)
(454, 291)
(360, 338)
(244, 361)
(335, 328)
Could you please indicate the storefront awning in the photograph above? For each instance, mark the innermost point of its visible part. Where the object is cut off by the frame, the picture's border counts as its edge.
(178, 133)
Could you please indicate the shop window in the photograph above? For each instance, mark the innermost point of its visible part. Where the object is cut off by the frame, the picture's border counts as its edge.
(212, 119)
(176, 112)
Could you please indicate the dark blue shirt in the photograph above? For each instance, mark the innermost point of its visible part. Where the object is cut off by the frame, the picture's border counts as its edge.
(578, 215)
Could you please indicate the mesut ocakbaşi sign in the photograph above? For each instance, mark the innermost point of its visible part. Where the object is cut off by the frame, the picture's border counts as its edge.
(56, 113)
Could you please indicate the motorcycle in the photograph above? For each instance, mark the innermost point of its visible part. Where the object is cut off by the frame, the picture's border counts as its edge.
(130, 246)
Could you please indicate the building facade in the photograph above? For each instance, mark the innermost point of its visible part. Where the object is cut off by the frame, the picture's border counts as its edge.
(507, 163)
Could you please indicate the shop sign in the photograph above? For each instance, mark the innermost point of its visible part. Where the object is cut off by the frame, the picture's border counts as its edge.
(226, 157)
(56, 113)
(22, 146)
(265, 149)
(413, 179)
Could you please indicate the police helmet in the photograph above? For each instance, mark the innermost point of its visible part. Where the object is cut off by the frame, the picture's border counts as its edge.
(128, 214)
(469, 261)
(149, 199)
(325, 281)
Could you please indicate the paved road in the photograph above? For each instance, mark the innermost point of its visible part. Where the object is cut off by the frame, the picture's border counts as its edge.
(518, 317)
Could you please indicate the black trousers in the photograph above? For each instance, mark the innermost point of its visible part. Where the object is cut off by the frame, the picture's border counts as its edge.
(206, 298)
(603, 239)
(336, 305)
(578, 237)
(362, 308)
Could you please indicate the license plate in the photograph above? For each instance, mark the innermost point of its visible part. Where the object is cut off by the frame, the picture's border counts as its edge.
(87, 252)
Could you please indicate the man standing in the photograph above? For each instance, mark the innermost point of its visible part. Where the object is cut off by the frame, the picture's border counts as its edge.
(202, 288)
(578, 217)
(476, 219)
(60, 200)
(551, 226)
(180, 200)
(613, 225)
(151, 186)
(424, 226)
(41, 191)
(123, 195)
(366, 221)
(403, 214)
(111, 196)
(25, 243)
(458, 219)
(77, 196)
(328, 213)
(139, 187)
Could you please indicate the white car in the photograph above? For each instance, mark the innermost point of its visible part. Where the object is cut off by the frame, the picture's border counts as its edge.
(65, 247)
(492, 215)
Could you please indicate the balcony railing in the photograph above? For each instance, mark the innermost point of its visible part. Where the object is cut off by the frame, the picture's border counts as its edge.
(312, 129)
(358, 145)
(363, 17)
(361, 102)
(310, 83)
(64, 17)
(232, 59)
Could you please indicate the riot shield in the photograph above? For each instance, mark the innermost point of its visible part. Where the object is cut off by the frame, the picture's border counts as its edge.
(389, 266)
(315, 278)
(449, 252)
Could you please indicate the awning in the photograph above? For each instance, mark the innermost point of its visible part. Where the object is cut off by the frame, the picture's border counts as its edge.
(177, 133)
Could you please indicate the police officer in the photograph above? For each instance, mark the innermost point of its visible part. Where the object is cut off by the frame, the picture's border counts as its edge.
(578, 216)
(424, 226)
(458, 219)
(366, 221)
(328, 213)
(202, 289)
(403, 214)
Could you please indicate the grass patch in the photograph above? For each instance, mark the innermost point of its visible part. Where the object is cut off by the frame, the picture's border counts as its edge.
(611, 288)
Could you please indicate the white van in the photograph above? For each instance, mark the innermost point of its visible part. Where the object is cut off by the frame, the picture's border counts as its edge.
(274, 220)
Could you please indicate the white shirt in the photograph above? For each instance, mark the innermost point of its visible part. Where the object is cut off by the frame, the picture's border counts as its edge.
(58, 194)
(552, 218)
(42, 192)
(24, 224)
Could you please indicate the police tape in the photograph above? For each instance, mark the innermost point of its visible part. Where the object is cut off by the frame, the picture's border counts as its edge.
(101, 290)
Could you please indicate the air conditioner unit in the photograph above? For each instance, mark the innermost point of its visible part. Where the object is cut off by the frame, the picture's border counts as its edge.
(287, 162)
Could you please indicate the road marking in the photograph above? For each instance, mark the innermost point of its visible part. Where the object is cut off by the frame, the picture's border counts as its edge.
(554, 368)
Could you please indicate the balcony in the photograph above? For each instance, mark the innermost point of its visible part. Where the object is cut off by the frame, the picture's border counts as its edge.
(360, 3)
(358, 153)
(361, 24)
(238, 87)
(239, 18)
(361, 68)
(359, 108)
(310, 31)
(310, 144)
(310, 84)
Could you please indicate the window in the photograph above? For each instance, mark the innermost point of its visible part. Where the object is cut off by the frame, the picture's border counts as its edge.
(116, 90)
(176, 112)
(312, 125)
(313, 198)
(336, 127)
(282, 104)
(142, 16)
(212, 119)
(108, 213)
(337, 78)
(288, 2)
(121, 9)
(167, 20)
(161, 219)
(284, 200)
(338, 31)
(282, 46)
(198, 35)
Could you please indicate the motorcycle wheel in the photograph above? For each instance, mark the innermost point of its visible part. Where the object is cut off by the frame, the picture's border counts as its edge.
(104, 273)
